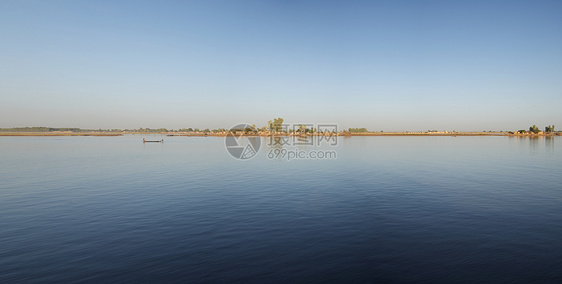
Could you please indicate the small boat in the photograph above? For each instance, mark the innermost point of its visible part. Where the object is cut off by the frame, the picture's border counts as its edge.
(154, 141)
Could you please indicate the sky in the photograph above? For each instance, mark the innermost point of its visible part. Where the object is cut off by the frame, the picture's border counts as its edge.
(382, 65)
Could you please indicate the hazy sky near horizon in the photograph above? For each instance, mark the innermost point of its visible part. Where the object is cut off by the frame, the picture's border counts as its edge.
(383, 65)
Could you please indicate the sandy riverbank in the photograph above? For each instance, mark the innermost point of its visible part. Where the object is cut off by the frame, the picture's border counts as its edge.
(57, 134)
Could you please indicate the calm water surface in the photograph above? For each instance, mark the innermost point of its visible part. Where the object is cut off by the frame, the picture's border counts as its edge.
(388, 209)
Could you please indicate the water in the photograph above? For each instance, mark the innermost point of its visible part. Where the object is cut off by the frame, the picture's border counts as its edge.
(388, 209)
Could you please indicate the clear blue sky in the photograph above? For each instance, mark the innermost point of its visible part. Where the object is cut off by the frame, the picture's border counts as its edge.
(383, 65)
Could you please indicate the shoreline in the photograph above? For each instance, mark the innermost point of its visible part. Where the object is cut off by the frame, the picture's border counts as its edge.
(57, 134)
(283, 135)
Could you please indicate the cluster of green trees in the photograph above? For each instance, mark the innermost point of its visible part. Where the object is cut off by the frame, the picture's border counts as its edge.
(358, 130)
(186, 129)
(148, 130)
(273, 126)
(534, 129)
(547, 129)
(303, 129)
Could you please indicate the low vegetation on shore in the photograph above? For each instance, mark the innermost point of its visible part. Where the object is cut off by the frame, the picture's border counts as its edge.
(274, 127)
(51, 131)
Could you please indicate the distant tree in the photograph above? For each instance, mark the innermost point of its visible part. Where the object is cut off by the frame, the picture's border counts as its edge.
(253, 128)
(549, 129)
(534, 129)
(277, 125)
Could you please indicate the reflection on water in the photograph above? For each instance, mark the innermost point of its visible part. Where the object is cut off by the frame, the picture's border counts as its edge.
(388, 209)
(549, 143)
(537, 144)
(277, 142)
